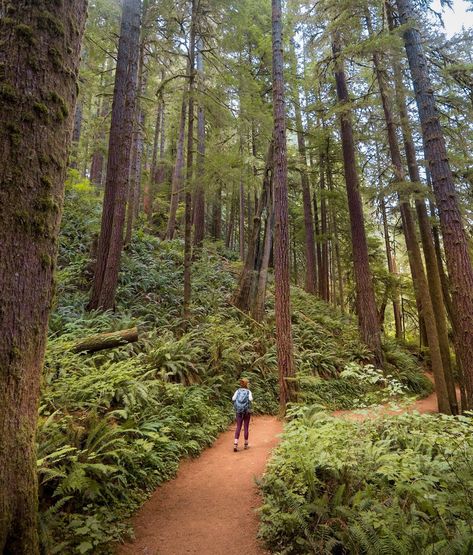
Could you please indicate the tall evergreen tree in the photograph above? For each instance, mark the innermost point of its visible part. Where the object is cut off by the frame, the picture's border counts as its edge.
(456, 243)
(365, 298)
(119, 158)
(37, 101)
(287, 388)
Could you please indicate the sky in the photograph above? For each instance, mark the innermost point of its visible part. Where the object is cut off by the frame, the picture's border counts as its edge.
(456, 18)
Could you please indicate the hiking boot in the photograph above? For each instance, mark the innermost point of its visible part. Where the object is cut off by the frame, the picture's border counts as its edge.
(246, 446)
(235, 448)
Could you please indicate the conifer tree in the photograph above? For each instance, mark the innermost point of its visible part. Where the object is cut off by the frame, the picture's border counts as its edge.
(455, 241)
(287, 389)
(37, 101)
(119, 158)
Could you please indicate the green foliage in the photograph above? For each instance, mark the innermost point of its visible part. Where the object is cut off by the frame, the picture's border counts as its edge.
(115, 424)
(396, 485)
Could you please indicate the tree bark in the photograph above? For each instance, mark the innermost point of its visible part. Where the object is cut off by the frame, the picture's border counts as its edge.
(257, 309)
(365, 298)
(199, 210)
(310, 278)
(37, 100)
(389, 258)
(76, 133)
(241, 220)
(455, 240)
(324, 262)
(118, 167)
(190, 168)
(284, 344)
(148, 193)
(242, 296)
(177, 176)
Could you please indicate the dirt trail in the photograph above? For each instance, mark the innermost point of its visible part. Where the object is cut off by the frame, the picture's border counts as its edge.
(426, 405)
(209, 508)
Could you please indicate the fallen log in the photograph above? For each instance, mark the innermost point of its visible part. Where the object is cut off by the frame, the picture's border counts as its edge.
(107, 340)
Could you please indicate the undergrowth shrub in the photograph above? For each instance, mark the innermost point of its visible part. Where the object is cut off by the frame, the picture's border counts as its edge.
(397, 485)
(115, 424)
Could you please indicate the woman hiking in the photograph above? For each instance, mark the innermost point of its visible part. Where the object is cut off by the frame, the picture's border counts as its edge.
(242, 399)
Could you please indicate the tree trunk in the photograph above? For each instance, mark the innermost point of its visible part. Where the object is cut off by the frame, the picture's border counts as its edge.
(118, 167)
(389, 257)
(433, 277)
(148, 193)
(199, 209)
(177, 176)
(242, 215)
(217, 215)
(257, 309)
(454, 237)
(365, 298)
(230, 222)
(37, 101)
(324, 262)
(97, 163)
(310, 279)
(108, 340)
(161, 171)
(415, 257)
(284, 345)
(76, 133)
(242, 296)
(190, 168)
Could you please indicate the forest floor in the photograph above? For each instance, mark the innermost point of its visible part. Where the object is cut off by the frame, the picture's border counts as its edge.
(210, 506)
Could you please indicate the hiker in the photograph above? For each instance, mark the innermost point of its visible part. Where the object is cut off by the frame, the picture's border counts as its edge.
(242, 399)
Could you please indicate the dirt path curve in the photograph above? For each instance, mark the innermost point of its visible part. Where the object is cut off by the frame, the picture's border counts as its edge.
(423, 406)
(209, 508)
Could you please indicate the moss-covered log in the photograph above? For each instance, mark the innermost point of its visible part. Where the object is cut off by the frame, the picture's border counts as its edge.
(103, 341)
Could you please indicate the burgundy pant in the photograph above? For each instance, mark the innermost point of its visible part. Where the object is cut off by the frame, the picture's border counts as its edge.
(240, 419)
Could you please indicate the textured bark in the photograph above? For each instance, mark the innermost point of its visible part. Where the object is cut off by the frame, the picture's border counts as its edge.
(257, 309)
(199, 206)
(217, 215)
(161, 171)
(241, 221)
(230, 221)
(324, 261)
(76, 133)
(284, 344)
(391, 266)
(177, 176)
(243, 293)
(426, 311)
(189, 169)
(37, 101)
(455, 240)
(316, 216)
(103, 341)
(365, 298)
(148, 192)
(134, 190)
(118, 167)
(98, 159)
(310, 278)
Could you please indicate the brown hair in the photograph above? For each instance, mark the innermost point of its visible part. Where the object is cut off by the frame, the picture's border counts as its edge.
(244, 382)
